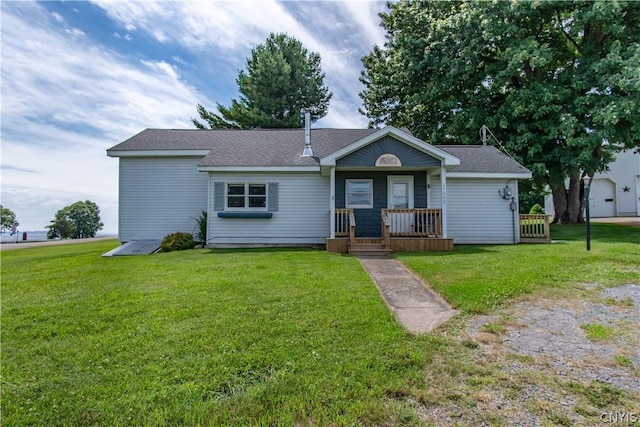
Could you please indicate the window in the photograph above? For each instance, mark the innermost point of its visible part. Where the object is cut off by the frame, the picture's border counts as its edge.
(242, 196)
(359, 193)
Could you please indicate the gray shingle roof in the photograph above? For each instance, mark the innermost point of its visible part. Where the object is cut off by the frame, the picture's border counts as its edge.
(482, 158)
(279, 147)
(283, 147)
(260, 147)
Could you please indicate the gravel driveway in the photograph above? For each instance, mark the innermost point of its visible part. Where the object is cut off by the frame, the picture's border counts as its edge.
(544, 368)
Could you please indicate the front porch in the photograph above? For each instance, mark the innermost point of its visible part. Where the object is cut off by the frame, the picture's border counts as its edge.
(403, 230)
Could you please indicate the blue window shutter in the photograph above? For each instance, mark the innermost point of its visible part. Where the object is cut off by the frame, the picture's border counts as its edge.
(272, 198)
(218, 196)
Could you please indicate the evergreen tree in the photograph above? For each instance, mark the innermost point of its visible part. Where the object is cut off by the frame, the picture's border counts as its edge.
(281, 78)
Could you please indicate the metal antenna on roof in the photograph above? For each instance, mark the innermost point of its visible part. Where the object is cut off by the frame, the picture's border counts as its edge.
(483, 134)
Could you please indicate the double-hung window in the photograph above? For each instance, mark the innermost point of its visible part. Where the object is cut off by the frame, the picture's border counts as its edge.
(359, 193)
(246, 196)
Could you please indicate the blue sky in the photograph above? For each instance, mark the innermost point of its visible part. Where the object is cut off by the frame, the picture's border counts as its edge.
(80, 77)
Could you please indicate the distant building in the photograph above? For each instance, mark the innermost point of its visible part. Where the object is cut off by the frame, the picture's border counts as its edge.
(616, 192)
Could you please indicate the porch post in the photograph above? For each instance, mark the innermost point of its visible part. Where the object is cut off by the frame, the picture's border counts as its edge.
(443, 195)
(332, 203)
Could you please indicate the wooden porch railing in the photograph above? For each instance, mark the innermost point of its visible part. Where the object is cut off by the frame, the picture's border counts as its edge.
(385, 229)
(342, 222)
(352, 228)
(346, 224)
(419, 222)
(534, 228)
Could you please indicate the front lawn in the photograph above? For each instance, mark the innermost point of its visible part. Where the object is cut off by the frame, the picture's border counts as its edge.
(198, 337)
(477, 278)
(254, 337)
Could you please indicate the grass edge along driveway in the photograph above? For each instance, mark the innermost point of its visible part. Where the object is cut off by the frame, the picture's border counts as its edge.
(246, 337)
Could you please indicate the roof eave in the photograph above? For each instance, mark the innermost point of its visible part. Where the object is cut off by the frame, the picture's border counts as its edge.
(258, 168)
(157, 153)
(499, 175)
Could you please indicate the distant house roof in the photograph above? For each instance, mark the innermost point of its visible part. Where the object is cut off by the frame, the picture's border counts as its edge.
(283, 148)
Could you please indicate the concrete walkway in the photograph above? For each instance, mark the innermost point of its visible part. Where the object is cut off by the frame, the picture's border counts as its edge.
(416, 307)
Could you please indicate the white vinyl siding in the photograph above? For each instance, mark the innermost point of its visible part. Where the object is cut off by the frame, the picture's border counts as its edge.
(302, 215)
(435, 193)
(159, 196)
(477, 213)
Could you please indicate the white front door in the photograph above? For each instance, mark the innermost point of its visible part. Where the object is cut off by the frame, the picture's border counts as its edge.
(400, 196)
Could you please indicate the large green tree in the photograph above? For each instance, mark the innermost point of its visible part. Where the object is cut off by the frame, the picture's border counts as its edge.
(7, 219)
(557, 82)
(281, 78)
(77, 221)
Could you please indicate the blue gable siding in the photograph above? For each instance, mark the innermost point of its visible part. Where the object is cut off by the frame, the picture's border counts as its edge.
(367, 156)
(368, 220)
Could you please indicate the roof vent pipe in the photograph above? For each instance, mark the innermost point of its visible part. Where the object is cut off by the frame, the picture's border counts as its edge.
(308, 152)
(483, 134)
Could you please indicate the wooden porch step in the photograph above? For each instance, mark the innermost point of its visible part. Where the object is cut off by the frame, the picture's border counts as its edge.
(370, 252)
(369, 247)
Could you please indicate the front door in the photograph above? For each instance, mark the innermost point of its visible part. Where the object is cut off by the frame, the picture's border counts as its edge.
(400, 196)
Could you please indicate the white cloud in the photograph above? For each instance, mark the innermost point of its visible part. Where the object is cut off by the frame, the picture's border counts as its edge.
(366, 14)
(75, 32)
(344, 31)
(64, 102)
(65, 99)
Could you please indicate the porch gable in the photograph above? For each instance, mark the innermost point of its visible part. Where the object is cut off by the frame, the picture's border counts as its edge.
(362, 153)
(368, 156)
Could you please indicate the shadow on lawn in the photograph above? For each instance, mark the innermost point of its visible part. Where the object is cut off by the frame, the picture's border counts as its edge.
(600, 232)
(560, 234)
(457, 250)
(283, 249)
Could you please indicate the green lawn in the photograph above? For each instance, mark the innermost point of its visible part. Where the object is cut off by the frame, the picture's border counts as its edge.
(197, 337)
(252, 337)
(478, 278)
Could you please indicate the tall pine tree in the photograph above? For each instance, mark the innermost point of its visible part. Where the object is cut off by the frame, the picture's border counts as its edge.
(281, 78)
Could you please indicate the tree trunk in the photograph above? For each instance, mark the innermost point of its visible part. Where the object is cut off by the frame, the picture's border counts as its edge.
(559, 194)
(573, 199)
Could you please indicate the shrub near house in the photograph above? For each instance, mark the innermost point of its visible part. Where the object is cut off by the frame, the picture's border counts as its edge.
(177, 242)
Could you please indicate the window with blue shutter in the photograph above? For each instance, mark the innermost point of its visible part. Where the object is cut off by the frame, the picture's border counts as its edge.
(272, 196)
(218, 196)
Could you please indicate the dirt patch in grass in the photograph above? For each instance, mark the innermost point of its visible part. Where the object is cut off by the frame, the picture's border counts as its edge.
(534, 363)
